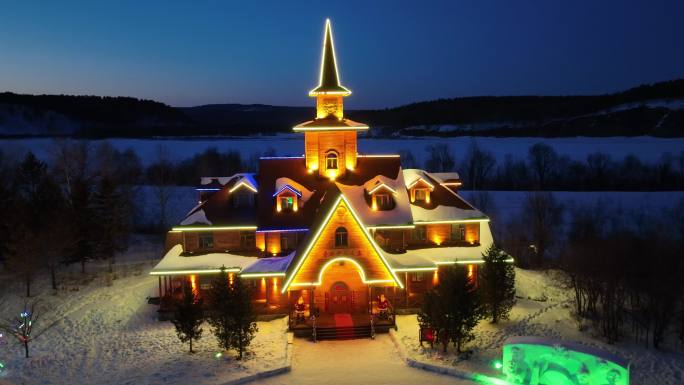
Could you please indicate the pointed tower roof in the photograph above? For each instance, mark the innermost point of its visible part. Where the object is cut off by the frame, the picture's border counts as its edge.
(329, 81)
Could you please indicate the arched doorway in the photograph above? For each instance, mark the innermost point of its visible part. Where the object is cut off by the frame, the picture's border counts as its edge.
(340, 298)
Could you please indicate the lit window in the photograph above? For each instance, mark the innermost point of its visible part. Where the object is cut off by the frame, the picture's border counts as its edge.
(419, 233)
(206, 240)
(331, 161)
(421, 194)
(287, 203)
(457, 232)
(383, 201)
(416, 277)
(341, 237)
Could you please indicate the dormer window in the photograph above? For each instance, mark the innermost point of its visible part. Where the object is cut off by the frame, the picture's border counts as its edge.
(421, 194)
(286, 203)
(383, 201)
(243, 199)
(331, 161)
(287, 199)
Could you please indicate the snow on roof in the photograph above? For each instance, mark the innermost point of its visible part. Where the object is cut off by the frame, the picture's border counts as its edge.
(399, 215)
(443, 213)
(433, 256)
(412, 175)
(198, 217)
(444, 177)
(305, 193)
(270, 264)
(173, 261)
(374, 183)
(248, 178)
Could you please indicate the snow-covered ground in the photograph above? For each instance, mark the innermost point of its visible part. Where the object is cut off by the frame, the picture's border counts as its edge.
(648, 149)
(543, 310)
(102, 331)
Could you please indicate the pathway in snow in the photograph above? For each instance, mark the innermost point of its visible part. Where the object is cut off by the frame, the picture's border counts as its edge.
(354, 362)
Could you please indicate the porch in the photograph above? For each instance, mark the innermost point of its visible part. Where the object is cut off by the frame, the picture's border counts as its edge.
(341, 325)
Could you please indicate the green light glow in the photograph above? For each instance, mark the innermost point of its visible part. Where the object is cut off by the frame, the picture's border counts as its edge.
(539, 362)
(218, 355)
(497, 364)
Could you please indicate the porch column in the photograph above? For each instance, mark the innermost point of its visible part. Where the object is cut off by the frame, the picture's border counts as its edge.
(406, 288)
(160, 289)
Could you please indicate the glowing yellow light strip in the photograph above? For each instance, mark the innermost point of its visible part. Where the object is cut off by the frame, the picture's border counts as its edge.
(452, 221)
(202, 271)
(354, 128)
(210, 228)
(378, 156)
(409, 269)
(432, 187)
(328, 32)
(451, 184)
(242, 183)
(469, 262)
(380, 186)
(318, 233)
(391, 227)
(362, 273)
(260, 275)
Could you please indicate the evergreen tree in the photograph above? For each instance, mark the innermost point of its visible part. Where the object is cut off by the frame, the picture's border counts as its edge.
(497, 282)
(453, 307)
(244, 325)
(113, 225)
(188, 317)
(81, 219)
(220, 310)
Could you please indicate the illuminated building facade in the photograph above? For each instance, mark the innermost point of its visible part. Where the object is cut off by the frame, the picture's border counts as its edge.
(334, 227)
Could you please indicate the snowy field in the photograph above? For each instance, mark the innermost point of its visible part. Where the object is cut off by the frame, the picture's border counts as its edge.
(543, 310)
(648, 149)
(102, 331)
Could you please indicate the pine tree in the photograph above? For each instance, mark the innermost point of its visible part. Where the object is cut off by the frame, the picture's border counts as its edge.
(244, 325)
(220, 313)
(188, 317)
(497, 282)
(453, 307)
(112, 227)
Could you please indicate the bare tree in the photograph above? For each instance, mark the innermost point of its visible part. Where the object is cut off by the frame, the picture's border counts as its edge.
(478, 164)
(439, 158)
(162, 180)
(543, 214)
(542, 159)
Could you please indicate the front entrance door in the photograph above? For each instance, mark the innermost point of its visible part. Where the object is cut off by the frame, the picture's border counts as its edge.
(340, 298)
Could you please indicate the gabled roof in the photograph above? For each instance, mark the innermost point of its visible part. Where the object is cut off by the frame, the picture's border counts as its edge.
(217, 210)
(329, 80)
(331, 199)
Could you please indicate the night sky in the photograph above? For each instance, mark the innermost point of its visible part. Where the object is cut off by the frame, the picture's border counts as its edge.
(389, 52)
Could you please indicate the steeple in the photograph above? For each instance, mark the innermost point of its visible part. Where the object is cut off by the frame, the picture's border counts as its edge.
(330, 139)
(329, 80)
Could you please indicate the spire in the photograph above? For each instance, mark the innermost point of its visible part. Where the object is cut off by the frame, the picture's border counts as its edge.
(329, 81)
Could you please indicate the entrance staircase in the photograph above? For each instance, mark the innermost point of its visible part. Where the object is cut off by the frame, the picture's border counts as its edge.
(342, 326)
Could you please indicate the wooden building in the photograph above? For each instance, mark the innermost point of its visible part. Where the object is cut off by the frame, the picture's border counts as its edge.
(334, 227)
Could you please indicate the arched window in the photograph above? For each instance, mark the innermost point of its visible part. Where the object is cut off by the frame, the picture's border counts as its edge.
(331, 161)
(341, 237)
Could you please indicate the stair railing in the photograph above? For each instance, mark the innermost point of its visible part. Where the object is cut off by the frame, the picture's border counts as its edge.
(313, 329)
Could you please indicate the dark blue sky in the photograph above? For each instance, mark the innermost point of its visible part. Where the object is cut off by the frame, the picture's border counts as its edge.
(389, 53)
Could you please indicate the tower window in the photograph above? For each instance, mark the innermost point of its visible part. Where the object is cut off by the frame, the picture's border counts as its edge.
(421, 194)
(331, 161)
(341, 237)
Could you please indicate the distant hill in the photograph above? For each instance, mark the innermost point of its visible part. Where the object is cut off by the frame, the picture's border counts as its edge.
(656, 110)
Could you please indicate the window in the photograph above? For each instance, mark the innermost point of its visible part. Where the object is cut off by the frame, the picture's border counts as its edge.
(458, 232)
(206, 240)
(421, 194)
(242, 199)
(341, 237)
(247, 240)
(419, 233)
(416, 277)
(288, 241)
(331, 161)
(383, 201)
(286, 203)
